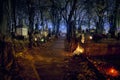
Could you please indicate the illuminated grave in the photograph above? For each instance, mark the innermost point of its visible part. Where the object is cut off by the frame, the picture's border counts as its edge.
(22, 30)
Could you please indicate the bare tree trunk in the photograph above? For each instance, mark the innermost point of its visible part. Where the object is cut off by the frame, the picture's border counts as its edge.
(14, 15)
(113, 19)
(4, 21)
(69, 27)
(100, 25)
(31, 22)
(71, 39)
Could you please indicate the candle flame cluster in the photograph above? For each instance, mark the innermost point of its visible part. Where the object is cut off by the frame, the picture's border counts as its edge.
(112, 72)
(78, 50)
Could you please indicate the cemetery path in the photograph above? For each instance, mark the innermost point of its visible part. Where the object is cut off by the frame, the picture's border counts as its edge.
(44, 63)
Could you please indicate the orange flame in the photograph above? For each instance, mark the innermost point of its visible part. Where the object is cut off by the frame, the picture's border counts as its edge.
(113, 72)
(78, 50)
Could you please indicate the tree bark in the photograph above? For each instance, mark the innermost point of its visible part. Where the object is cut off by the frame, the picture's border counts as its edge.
(113, 19)
(14, 15)
(31, 22)
(69, 27)
(4, 21)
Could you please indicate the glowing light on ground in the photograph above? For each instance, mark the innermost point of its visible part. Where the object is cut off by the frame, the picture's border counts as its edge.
(42, 40)
(112, 72)
(35, 39)
(78, 50)
(90, 37)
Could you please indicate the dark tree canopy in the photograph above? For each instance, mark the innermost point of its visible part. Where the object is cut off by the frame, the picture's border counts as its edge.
(82, 12)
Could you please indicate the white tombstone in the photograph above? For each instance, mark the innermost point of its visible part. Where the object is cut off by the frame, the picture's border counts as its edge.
(22, 30)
